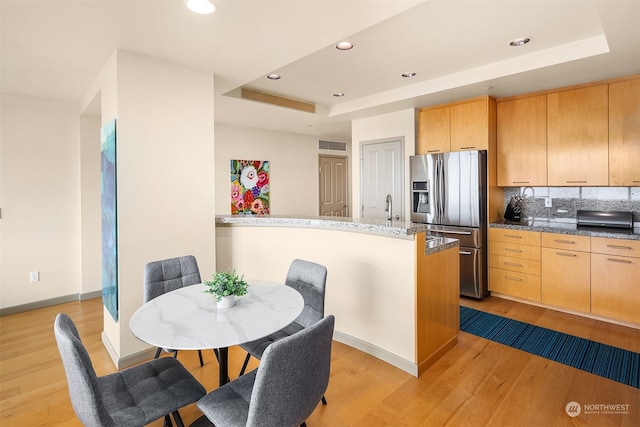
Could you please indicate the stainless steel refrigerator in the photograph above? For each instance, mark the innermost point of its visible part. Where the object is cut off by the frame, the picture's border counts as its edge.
(449, 193)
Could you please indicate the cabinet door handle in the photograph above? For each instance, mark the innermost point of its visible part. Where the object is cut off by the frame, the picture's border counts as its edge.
(513, 264)
(512, 236)
(517, 279)
(520, 182)
(623, 261)
(577, 182)
(565, 254)
(626, 248)
(512, 250)
(468, 148)
(567, 242)
(433, 151)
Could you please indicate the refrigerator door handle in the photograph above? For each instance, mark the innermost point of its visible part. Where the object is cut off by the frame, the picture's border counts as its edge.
(438, 179)
(436, 188)
(443, 191)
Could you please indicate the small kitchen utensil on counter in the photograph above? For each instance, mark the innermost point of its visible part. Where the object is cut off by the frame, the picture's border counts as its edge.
(514, 209)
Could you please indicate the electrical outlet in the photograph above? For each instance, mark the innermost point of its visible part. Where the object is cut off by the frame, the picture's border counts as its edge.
(34, 276)
(547, 202)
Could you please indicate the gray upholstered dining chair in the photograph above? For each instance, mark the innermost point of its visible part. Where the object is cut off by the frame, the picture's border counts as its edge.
(168, 275)
(284, 390)
(308, 278)
(132, 397)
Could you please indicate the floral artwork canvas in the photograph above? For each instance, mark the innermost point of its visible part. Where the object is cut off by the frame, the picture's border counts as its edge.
(249, 187)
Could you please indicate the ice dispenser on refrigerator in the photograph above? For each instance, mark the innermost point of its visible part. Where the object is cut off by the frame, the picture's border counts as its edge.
(420, 196)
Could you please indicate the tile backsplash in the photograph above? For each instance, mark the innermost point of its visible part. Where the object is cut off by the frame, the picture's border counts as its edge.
(566, 201)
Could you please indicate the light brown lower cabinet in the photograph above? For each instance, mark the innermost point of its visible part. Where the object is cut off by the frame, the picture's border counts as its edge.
(514, 263)
(591, 275)
(615, 279)
(566, 279)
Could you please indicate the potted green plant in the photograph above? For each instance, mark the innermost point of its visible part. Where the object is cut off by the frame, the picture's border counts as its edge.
(225, 286)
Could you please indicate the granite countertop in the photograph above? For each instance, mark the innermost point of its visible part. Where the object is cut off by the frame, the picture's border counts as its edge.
(436, 244)
(398, 229)
(568, 227)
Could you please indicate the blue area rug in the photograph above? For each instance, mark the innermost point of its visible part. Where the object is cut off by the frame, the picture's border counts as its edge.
(599, 359)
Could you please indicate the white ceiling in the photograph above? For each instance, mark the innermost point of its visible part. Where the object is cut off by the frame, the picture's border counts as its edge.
(55, 49)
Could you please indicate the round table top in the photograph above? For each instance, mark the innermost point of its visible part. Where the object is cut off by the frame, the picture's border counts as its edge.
(188, 319)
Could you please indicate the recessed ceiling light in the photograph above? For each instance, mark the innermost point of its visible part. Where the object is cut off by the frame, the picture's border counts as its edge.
(338, 94)
(201, 6)
(344, 45)
(274, 76)
(519, 42)
(408, 75)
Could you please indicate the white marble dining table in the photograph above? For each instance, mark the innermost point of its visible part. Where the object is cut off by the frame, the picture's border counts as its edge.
(188, 318)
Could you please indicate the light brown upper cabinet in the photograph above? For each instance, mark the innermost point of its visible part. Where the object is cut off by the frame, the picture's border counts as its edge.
(577, 137)
(624, 133)
(522, 142)
(465, 125)
(434, 130)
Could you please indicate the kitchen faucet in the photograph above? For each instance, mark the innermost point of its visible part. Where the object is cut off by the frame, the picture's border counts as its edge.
(524, 189)
(389, 208)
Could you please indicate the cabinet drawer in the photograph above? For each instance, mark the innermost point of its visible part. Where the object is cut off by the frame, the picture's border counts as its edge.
(514, 236)
(521, 265)
(515, 251)
(519, 285)
(566, 241)
(620, 247)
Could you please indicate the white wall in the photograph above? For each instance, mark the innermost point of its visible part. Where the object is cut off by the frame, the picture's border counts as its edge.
(40, 199)
(370, 280)
(165, 174)
(91, 239)
(293, 162)
(392, 125)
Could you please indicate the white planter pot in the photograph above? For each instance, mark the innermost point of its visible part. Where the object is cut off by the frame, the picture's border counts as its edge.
(226, 302)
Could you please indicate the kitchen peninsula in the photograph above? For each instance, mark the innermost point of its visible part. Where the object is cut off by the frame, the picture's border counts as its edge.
(394, 290)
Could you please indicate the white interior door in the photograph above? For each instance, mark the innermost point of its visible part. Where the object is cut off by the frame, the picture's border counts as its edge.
(382, 174)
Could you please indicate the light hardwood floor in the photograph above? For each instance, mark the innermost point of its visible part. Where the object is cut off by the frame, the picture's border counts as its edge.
(477, 383)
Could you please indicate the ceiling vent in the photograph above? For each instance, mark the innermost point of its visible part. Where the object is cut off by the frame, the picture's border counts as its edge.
(331, 145)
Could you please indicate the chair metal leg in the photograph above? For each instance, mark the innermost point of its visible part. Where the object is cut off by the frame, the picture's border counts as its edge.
(200, 356)
(244, 365)
(167, 421)
(303, 425)
(215, 351)
(178, 419)
(324, 401)
(175, 354)
(157, 353)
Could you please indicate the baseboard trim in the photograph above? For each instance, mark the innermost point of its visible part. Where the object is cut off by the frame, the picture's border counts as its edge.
(564, 310)
(130, 360)
(377, 352)
(135, 358)
(49, 302)
(90, 295)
